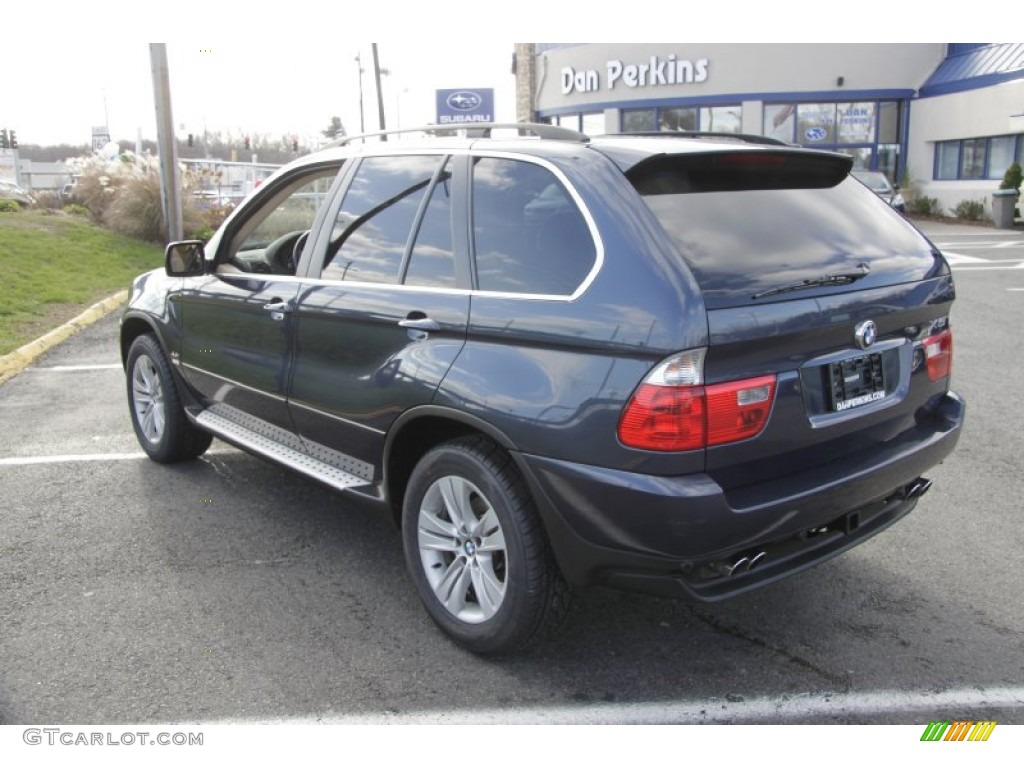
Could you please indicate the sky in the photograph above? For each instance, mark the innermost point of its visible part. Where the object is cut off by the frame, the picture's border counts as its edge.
(286, 68)
(240, 88)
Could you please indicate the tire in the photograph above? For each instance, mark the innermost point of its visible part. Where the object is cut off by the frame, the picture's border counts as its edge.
(476, 550)
(160, 423)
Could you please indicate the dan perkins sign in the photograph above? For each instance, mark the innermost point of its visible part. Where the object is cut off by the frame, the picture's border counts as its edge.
(465, 105)
(654, 72)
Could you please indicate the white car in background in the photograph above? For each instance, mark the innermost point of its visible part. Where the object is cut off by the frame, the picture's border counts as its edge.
(11, 191)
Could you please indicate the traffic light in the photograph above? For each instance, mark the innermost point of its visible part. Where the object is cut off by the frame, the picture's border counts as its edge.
(4, 143)
(248, 144)
(191, 140)
(13, 139)
(295, 145)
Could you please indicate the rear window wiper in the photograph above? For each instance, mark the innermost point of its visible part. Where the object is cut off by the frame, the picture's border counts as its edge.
(837, 278)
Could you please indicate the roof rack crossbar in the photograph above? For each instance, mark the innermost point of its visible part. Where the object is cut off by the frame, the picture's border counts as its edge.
(541, 130)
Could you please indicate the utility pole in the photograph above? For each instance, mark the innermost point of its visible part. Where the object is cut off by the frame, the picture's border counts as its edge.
(362, 122)
(170, 187)
(380, 96)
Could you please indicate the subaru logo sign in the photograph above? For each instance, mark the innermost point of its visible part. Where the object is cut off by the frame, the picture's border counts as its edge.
(464, 101)
(815, 134)
(465, 105)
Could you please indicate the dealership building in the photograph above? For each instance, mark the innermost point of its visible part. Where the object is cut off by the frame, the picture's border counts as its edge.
(948, 117)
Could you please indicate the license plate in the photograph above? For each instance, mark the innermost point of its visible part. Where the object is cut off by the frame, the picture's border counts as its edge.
(856, 381)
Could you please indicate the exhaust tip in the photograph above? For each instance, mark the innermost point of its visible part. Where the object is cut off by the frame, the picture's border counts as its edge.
(919, 488)
(740, 565)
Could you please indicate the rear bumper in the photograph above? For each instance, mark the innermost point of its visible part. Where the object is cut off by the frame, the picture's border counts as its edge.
(681, 536)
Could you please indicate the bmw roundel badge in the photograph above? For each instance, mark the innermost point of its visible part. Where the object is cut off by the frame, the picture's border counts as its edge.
(865, 334)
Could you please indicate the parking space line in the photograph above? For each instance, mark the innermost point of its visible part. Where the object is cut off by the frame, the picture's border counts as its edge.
(17, 461)
(962, 258)
(22, 461)
(65, 368)
(773, 709)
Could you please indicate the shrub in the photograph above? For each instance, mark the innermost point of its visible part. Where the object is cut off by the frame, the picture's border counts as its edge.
(924, 206)
(123, 194)
(9, 206)
(970, 210)
(47, 200)
(1012, 178)
(77, 210)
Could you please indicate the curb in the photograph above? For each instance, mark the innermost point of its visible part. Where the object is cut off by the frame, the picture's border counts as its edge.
(16, 361)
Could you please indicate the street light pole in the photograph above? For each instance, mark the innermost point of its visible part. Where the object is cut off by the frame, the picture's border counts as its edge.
(380, 96)
(362, 123)
(170, 189)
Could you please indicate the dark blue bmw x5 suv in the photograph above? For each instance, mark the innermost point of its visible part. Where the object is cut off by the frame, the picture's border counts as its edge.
(681, 364)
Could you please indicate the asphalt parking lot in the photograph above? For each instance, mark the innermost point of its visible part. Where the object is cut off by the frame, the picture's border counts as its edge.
(230, 590)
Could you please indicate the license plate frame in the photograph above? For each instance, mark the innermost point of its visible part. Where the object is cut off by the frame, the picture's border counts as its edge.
(856, 382)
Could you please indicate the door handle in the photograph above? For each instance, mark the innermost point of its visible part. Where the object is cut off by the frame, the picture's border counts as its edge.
(278, 308)
(420, 324)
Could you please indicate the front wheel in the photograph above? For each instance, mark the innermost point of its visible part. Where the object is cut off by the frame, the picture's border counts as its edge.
(476, 550)
(160, 423)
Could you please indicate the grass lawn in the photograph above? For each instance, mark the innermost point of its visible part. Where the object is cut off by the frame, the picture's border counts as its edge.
(54, 265)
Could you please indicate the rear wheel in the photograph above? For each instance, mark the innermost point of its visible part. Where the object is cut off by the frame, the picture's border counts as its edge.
(163, 430)
(476, 550)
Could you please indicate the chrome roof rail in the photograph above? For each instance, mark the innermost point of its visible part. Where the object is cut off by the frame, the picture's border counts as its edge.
(471, 130)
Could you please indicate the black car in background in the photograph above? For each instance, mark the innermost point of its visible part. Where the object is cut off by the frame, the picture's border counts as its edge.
(684, 365)
(879, 183)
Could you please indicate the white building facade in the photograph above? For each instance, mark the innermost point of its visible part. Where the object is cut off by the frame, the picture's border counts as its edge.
(946, 117)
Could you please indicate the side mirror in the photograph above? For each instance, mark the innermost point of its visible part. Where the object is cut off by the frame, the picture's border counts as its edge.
(186, 258)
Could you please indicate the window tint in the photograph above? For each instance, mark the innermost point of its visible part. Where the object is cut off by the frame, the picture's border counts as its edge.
(432, 261)
(733, 241)
(528, 233)
(372, 229)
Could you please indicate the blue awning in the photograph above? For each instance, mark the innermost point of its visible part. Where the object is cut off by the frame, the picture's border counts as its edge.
(969, 67)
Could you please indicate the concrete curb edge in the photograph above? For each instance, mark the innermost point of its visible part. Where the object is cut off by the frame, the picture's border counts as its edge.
(16, 361)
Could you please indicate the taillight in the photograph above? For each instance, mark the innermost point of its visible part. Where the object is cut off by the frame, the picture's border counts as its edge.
(739, 409)
(938, 353)
(673, 411)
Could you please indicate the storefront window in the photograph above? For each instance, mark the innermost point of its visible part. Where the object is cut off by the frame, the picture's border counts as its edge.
(679, 119)
(888, 160)
(1000, 155)
(722, 119)
(856, 123)
(779, 121)
(816, 124)
(972, 159)
(888, 122)
(637, 120)
(593, 124)
(947, 160)
(861, 157)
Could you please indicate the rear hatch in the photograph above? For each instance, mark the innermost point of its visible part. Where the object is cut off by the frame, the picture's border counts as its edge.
(809, 277)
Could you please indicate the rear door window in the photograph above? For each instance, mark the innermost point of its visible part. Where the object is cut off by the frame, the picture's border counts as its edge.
(373, 230)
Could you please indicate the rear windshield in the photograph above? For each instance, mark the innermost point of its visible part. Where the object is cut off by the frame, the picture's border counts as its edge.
(747, 224)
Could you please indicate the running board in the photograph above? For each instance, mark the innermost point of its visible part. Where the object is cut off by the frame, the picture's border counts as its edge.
(246, 438)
